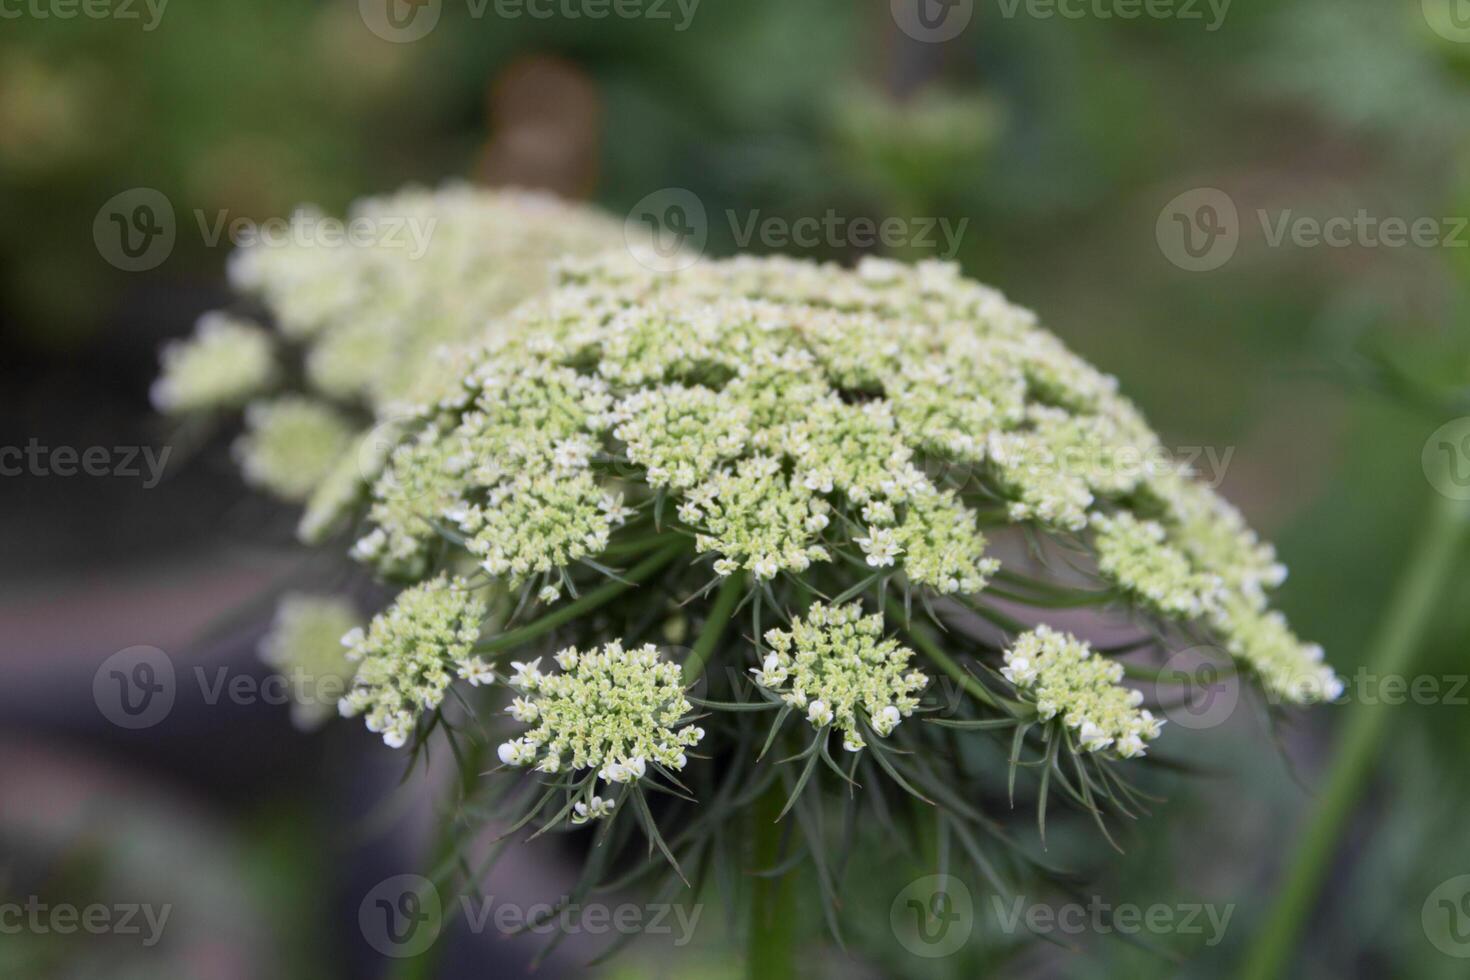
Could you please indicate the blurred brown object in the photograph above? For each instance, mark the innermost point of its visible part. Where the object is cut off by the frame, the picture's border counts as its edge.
(545, 122)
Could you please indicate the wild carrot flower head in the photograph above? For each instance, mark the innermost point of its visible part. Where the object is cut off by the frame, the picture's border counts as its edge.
(802, 419)
(1065, 678)
(305, 645)
(411, 652)
(370, 319)
(291, 444)
(613, 710)
(226, 362)
(835, 666)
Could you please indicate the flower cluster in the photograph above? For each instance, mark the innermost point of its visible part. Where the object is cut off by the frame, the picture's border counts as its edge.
(1136, 554)
(613, 710)
(291, 444)
(304, 645)
(226, 362)
(438, 267)
(798, 415)
(1290, 669)
(835, 665)
(1065, 678)
(409, 654)
(374, 321)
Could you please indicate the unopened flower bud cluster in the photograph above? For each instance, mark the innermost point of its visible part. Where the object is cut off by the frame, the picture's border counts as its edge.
(836, 667)
(609, 709)
(304, 644)
(411, 652)
(1067, 679)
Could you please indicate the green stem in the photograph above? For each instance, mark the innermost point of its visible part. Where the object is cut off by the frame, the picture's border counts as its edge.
(771, 945)
(946, 663)
(714, 627)
(425, 965)
(588, 601)
(1400, 631)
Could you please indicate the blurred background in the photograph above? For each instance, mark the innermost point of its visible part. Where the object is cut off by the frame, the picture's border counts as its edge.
(1146, 178)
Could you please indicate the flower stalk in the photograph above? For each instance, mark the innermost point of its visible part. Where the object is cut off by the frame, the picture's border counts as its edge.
(1398, 640)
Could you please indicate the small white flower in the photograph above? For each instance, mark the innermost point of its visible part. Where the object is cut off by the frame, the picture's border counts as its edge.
(1019, 670)
(517, 752)
(819, 714)
(523, 711)
(880, 546)
(527, 675)
(1130, 747)
(886, 720)
(1092, 737)
(572, 453)
(476, 671)
(594, 809)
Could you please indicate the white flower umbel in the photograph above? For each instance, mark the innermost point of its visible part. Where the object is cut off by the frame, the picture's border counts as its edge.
(612, 710)
(792, 415)
(1137, 556)
(225, 363)
(1290, 670)
(372, 312)
(377, 319)
(290, 445)
(304, 645)
(410, 653)
(1064, 678)
(835, 666)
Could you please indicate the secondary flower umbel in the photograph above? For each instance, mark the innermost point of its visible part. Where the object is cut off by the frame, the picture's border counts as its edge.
(835, 666)
(1066, 679)
(613, 710)
(411, 652)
